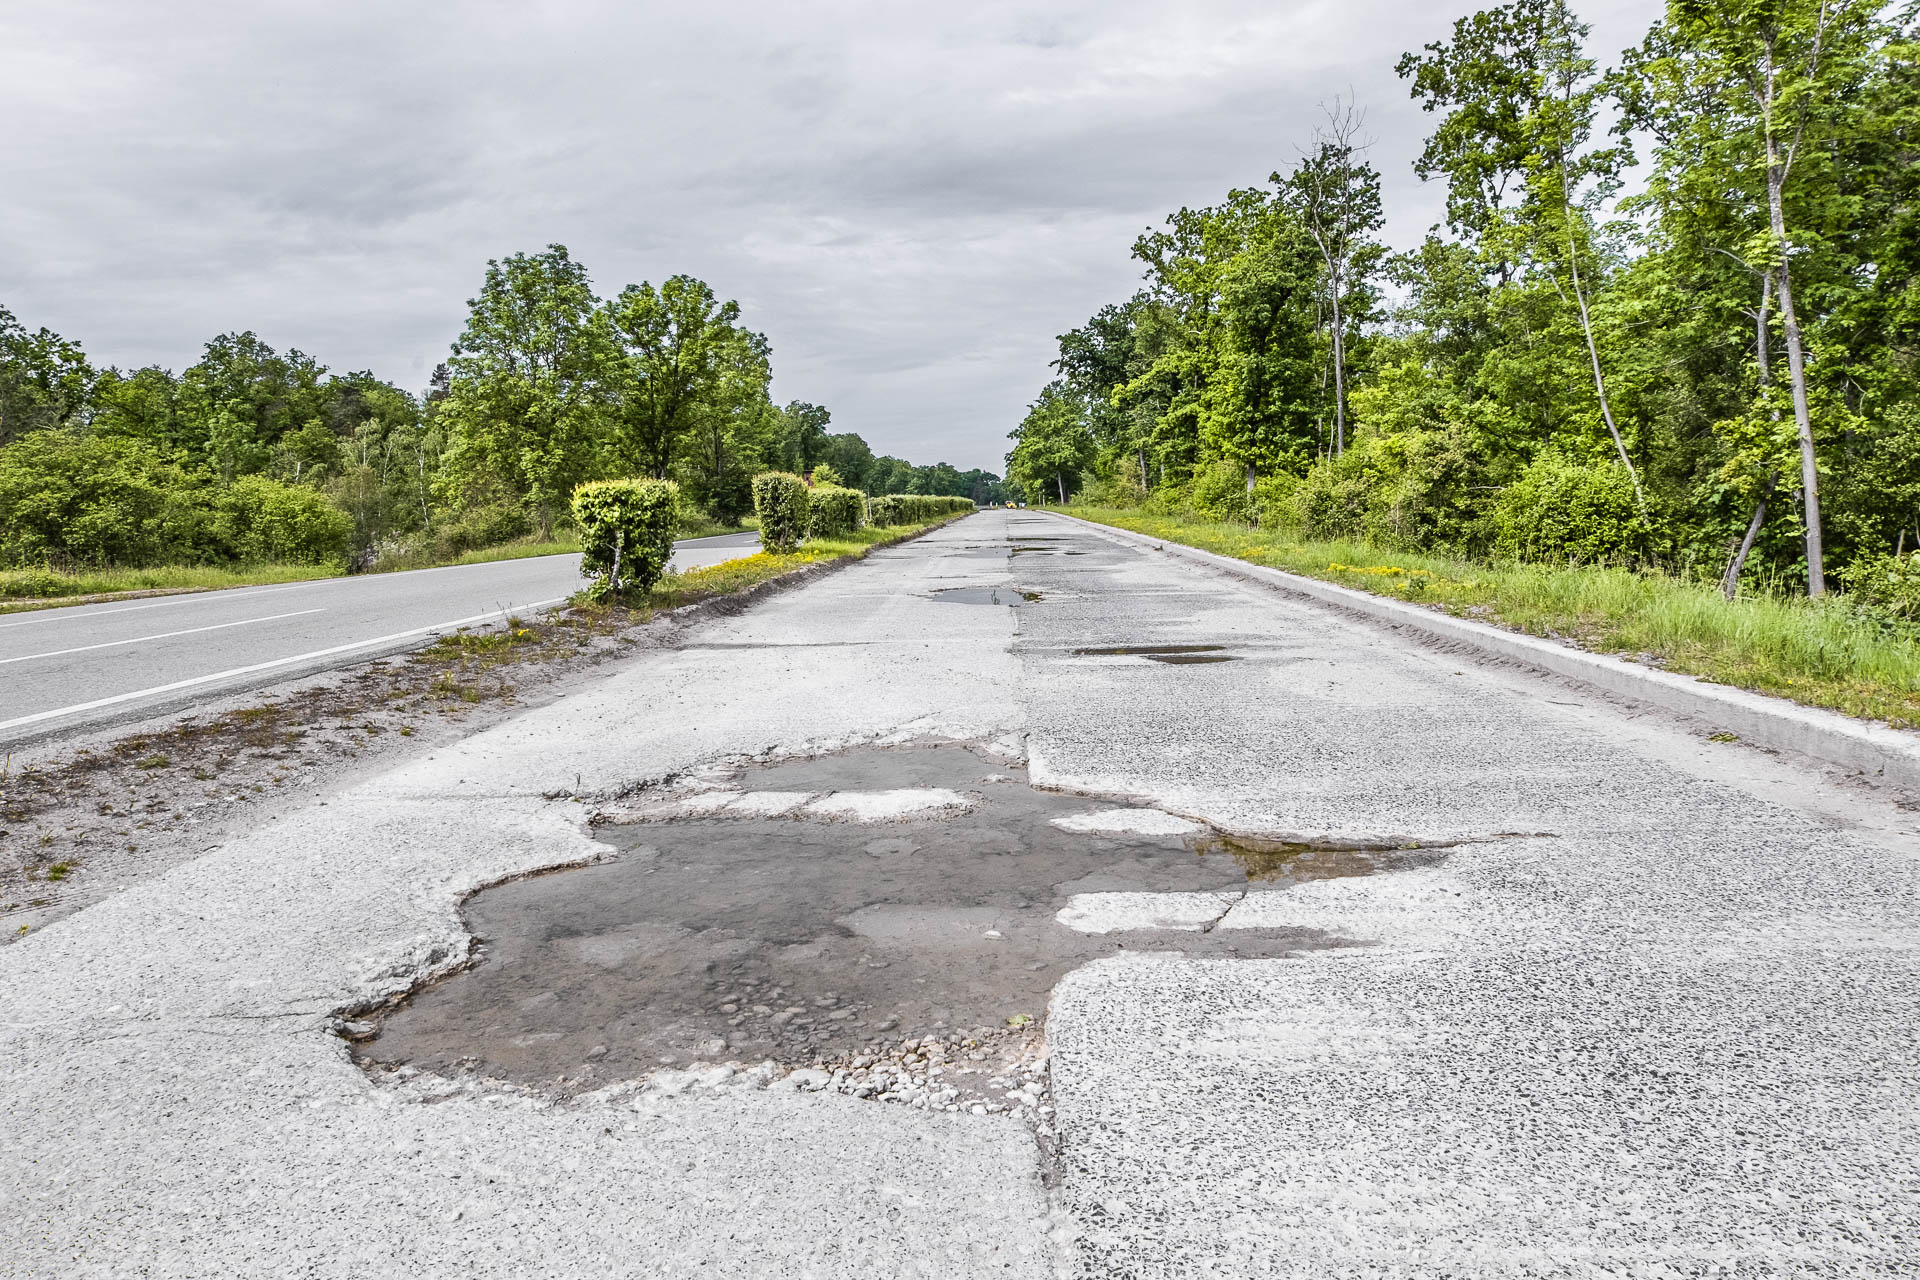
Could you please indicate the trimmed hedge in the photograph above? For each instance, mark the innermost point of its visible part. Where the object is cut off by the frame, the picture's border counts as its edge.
(626, 533)
(780, 499)
(914, 508)
(832, 511)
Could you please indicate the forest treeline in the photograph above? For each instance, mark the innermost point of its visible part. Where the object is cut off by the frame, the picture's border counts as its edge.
(1715, 369)
(255, 455)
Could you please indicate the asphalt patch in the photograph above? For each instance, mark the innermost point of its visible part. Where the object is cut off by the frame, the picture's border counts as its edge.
(798, 939)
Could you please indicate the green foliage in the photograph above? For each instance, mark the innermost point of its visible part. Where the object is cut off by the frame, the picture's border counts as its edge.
(83, 501)
(626, 533)
(824, 476)
(1887, 586)
(1561, 511)
(260, 520)
(914, 508)
(1053, 443)
(1750, 327)
(486, 525)
(780, 502)
(833, 511)
(1219, 493)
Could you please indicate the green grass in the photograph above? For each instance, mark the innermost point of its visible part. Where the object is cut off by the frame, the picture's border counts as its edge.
(1818, 653)
(750, 571)
(38, 589)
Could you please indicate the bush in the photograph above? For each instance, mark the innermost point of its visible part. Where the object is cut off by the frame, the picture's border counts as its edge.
(780, 500)
(1219, 493)
(833, 511)
(1562, 511)
(261, 521)
(626, 533)
(487, 525)
(1273, 501)
(89, 500)
(1886, 587)
(915, 508)
(1409, 490)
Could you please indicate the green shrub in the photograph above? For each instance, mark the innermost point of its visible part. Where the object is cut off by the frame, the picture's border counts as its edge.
(262, 521)
(89, 500)
(626, 533)
(1886, 587)
(833, 511)
(1560, 511)
(1219, 493)
(915, 508)
(487, 525)
(1273, 501)
(825, 477)
(34, 584)
(780, 500)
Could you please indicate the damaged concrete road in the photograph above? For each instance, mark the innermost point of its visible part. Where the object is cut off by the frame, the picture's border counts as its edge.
(1652, 1012)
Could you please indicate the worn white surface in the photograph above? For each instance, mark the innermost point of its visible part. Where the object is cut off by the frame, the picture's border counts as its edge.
(1673, 1035)
(1146, 822)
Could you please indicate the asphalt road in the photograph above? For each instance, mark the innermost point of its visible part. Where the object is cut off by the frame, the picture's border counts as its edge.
(1648, 1009)
(87, 665)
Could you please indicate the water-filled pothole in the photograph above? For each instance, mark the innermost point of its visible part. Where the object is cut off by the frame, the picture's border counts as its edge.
(1179, 655)
(985, 595)
(809, 939)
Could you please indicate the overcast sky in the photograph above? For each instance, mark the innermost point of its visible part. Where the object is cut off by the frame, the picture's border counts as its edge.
(911, 201)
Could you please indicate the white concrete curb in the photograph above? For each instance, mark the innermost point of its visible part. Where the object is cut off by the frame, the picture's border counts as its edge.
(1757, 719)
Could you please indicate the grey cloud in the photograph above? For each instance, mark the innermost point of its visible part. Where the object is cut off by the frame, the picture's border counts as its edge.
(910, 202)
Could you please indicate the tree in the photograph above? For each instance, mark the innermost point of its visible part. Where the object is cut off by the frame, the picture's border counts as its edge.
(1338, 195)
(681, 348)
(734, 429)
(45, 380)
(805, 428)
(1778, 82)
(1051, 443)
(1521, 98)
(525, 409)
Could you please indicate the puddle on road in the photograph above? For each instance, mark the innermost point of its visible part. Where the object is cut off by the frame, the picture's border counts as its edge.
(985, 595)
(804, 940)
(1179, 655)
(1267, 860)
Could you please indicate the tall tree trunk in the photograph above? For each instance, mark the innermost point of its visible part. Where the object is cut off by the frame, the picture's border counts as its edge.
(1730, 584)
(1143, 468)
(1796, 358)
(1060, 479)
(1593, 349)
(1797, 373)
(1339, 373)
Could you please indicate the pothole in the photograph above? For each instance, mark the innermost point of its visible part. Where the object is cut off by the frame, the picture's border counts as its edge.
(749, 919)
(1179, 655)
(985, 595)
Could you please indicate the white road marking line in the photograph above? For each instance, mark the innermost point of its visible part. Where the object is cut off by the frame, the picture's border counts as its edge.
(82, 612)
(262, 666)
(162, 635)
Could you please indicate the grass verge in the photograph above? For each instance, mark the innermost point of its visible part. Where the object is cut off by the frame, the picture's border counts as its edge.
(1815, 652)
(729, 576)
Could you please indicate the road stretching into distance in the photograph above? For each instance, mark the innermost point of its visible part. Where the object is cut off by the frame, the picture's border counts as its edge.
(1613, 999)
(87, 665)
